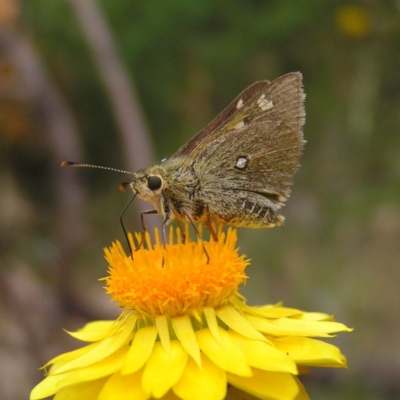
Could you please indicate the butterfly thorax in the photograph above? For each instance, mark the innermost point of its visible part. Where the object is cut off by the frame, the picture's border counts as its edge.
(181, 191)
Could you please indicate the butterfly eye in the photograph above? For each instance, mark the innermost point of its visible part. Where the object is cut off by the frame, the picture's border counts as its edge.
(154, 182)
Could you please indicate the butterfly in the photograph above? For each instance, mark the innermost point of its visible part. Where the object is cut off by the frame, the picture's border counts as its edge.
(238, 170)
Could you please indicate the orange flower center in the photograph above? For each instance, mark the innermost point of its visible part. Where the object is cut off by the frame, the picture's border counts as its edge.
(175, 279)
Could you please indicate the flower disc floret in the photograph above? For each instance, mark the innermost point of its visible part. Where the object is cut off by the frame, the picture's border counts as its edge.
(175, 278)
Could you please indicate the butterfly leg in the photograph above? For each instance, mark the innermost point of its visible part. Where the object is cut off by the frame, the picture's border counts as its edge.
(188, 217)
(209, 225)
(182, 232)
(121, 220)
(144, 228)
(165, 222)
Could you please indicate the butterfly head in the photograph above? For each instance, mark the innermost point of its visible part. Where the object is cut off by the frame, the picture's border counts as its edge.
(147, 184)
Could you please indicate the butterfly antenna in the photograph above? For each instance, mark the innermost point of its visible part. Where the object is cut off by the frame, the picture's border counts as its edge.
(122, 187)
(74, 164)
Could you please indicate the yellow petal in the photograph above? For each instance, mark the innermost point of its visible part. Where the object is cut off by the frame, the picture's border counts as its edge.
(212, 322)
(206, 383)
(273, 311)
(140, 349)
(50, 384)
(319, 327)
(184, 332)
(54, 383)
(311, 352)
(46, 388)
(263, 356)
(100, 369)
(101, 349)
(316, 316)
(225, 353)
(66, 357)
(164, 369)
(267, 385)
(302, 395)
(238, 323)
(82, 391)
(123, 387)
(163, 331)
(94, 331)
(296, 327)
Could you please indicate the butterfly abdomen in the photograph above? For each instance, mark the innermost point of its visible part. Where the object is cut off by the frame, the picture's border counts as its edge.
(256, 215)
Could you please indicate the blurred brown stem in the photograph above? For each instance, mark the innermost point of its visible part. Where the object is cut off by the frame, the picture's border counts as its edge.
(135, 139)
(60, 132)
(119, 86)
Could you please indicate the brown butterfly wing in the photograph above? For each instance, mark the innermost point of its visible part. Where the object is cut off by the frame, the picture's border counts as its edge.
(261, 158)
(246, 166)
(280, 100)
(243, 97)
(245, 159)
(246, 175)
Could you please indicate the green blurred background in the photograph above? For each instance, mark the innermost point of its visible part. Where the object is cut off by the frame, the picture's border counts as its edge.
(125, 83)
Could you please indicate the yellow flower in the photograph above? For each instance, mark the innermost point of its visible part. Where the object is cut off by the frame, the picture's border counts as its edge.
(186, 333)
(353, 20)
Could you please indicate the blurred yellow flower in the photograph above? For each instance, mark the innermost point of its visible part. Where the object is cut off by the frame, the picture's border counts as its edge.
(186, 333)
(353, 20)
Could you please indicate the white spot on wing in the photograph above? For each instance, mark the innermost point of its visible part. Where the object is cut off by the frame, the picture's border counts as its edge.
(264, 103)
(239, 104)
(239, 125)
(241, 162)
